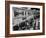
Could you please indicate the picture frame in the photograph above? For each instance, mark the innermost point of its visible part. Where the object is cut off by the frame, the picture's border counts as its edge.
(24, 10)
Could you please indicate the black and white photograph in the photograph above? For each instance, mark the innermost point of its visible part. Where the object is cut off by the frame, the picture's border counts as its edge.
(26, 18)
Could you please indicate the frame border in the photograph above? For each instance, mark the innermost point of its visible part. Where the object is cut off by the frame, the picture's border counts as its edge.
(7, 18)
